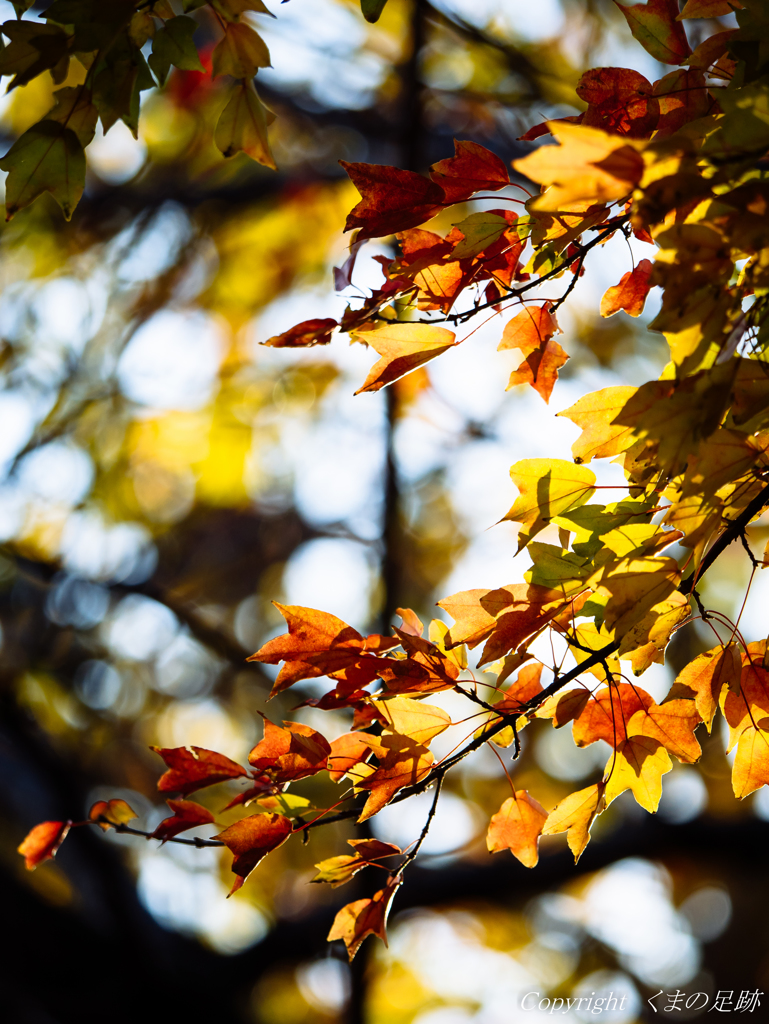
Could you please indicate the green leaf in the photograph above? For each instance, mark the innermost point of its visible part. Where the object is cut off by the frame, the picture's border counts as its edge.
(34, 48)
(372, 9)
(242, 126)
(232, 9)
(240, 53)
(655, 27)
(173, 45)
(73, 109)
(480, 230)
(47, 158)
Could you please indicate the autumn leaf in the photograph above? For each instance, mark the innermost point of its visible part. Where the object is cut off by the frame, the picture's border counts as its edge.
(589, 165)
(413, 718)
(251, 839)
(472, 169)
(338, 870)
(242, 128)
(630, 294)
(682, 97)
(108, 813)
(43, 842)
(672, 724)
(706, 676)
(526, 686)
(346, 751)
(308, 332)
(708, 8)
(403, 347)
(362, 918)
(516, 827)
(48, 157)
(574, 815)
(399, 766)
(480, 230)
(548, 488)
(601, 437)
(750, 770)
(638, 764)
(656, 27)
(606, 714)
(191, 768)
(619, 100)
(504, 617)
(316, 644)
(187, 814)
(291, 753)
(240, 52)
(564, 707)
(391, 200)
(532, 332)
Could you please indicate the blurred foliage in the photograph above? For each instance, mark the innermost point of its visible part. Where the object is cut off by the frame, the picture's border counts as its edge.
(151, 506)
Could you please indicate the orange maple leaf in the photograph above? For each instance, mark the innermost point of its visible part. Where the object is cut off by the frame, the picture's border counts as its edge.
(357, 920)
(630, 294)
(607, 713)
(472, 169)
(516, 827)
(191, 768)
(391, 200)
(532, 332)
(42, 842)
(187, 814)
(291, 753)
(251, 839)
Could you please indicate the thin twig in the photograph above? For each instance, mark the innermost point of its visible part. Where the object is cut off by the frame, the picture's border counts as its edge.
(423, 835)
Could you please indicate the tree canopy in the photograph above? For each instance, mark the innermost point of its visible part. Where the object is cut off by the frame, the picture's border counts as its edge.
(474, 241)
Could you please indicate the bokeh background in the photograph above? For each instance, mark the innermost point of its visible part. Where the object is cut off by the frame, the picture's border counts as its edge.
(164, 477)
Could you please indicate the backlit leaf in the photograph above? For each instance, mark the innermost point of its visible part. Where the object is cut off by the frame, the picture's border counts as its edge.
(191, 768)
(251, 839)
(291, 753)
(357, 920)
(187, 814)
(607, 713)
(242, 128)
(107, 813)
(413, 718)
(657, 29)
(403, 347)
(706, 676)
(472, 169)
(750, 770)
(240, 52)
(480, 230)
(630, 294)
(532, 332)
(588, 165)
(43, 842)
(672, 724)
(548, 488)
(601, 437)
(619, 100)
(391, 200)
(308, 332)
(575, 814)
(338, 870)
(638, 765)
(346, 751)
(516, 827)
